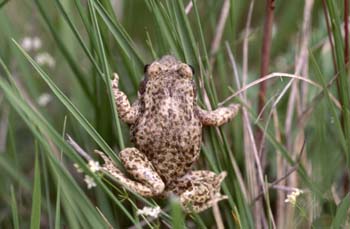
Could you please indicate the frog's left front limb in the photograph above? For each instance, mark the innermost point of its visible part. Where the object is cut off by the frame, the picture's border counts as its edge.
(217, 117)
(127, 113)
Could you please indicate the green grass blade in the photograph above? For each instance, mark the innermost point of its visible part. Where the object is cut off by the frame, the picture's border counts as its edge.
(177, 217)
(164, 26)
(69, 105)
(37, 121)
(78, 36)
(337, 123)
(107, 74)
(343, 76)
(131, 58)
(58, 206)
(8, 168)
(36, 198)
(188, 42)
(70, 60)
(342, 213)
(14, 209)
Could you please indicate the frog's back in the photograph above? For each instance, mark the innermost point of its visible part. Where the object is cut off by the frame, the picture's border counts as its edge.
(168, 130)
(170, 137)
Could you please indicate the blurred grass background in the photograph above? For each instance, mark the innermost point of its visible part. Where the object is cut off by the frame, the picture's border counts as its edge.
(57, 57)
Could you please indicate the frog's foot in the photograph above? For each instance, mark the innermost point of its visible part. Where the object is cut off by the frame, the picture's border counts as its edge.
(199, 190)
(148, 181)
(197, 207)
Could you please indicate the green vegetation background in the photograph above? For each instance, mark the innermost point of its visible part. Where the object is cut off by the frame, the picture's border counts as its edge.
(91, 39)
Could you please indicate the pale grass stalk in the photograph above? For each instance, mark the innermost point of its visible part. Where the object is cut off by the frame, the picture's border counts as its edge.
(215, 44)
(259, 171)
(280, 165)
(285, 188)
(217, 216)
(216, 211)
(248, 138)
(335, 195)
(294, 99)
(78, 149)
(301, 63)
(189, 7)
(232, 159)
(108, 224)
(246, 46)
(279, 75)
(249, 165)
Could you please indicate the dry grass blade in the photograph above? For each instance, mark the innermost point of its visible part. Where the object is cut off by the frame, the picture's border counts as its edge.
(215, 44)
(276, 75)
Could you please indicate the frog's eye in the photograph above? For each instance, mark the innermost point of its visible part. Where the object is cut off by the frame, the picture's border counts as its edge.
(145, 68)
(192, 68)
(154, 70)
(185, 70)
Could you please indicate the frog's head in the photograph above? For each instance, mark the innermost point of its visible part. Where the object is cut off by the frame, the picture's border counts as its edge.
(168, 66)
(168, 77)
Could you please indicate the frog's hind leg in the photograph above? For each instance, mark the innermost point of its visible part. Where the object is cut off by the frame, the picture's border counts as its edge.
(199, 190)
(148, 181)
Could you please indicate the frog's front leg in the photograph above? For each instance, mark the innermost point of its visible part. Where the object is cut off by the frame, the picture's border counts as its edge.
(126, 112)
(148, 182)
(199, 190)
(217, 117)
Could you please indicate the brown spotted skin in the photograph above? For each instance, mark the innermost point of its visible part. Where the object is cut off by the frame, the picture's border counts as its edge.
(166, 128)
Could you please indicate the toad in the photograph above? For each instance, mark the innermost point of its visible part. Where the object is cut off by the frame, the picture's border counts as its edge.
(166, 129)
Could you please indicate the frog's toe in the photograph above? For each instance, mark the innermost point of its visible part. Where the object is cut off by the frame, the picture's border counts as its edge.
(115, 81)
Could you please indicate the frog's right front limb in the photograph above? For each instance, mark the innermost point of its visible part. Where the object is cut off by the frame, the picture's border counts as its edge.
(127, 113)
(148, 181)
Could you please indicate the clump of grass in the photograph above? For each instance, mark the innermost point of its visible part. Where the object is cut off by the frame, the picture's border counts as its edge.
(304, 133)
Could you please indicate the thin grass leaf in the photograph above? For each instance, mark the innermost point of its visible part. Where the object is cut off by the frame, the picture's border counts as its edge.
(47, 195)
(103, 60)
(177, 217)
(10, 169)
(78, 36)
(165, 28)
(69, 105)
(337, 123)
(131, 58)
(36, 198)
(37, 121)
(14, 209)
(58, 206)
(342, 213)
(70, 60)
(343, 77)
(188, 42)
